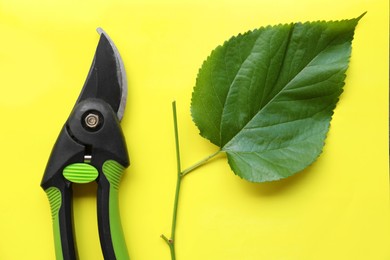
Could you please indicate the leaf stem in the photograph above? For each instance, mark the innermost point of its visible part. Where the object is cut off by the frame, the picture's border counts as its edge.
(180, 174)
(200, 163)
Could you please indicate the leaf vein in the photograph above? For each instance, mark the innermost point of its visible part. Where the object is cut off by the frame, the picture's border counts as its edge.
(286, 86)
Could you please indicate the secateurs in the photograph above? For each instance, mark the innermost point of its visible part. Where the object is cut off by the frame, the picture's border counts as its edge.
(91, 147)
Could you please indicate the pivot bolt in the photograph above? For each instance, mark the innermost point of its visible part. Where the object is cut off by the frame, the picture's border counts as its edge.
(92, 120)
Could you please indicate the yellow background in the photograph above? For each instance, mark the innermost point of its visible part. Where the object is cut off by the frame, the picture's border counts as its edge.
(338, 208)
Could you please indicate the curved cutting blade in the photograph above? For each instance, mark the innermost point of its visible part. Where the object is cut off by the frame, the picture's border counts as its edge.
(106, 79)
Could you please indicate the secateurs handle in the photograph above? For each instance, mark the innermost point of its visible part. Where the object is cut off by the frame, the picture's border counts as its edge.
(82, 155)
(110, 229)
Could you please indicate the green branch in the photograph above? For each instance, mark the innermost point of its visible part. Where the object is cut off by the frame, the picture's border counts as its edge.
(180, 174)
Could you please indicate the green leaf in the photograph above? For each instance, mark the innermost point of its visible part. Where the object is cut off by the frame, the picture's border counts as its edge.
(266, 97)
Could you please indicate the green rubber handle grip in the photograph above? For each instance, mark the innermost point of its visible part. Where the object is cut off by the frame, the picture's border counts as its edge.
(60, 199)
(54, 196)
(111, 235)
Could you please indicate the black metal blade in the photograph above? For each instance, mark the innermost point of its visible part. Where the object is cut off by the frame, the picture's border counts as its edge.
(106, 79)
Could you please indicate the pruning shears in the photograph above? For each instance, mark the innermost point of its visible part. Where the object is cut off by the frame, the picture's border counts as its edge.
(91, 147)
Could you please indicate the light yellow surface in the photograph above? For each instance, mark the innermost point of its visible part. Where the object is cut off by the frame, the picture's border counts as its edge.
(336, 209)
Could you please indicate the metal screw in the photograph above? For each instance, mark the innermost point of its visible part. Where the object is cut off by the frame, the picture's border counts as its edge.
(92, 120)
